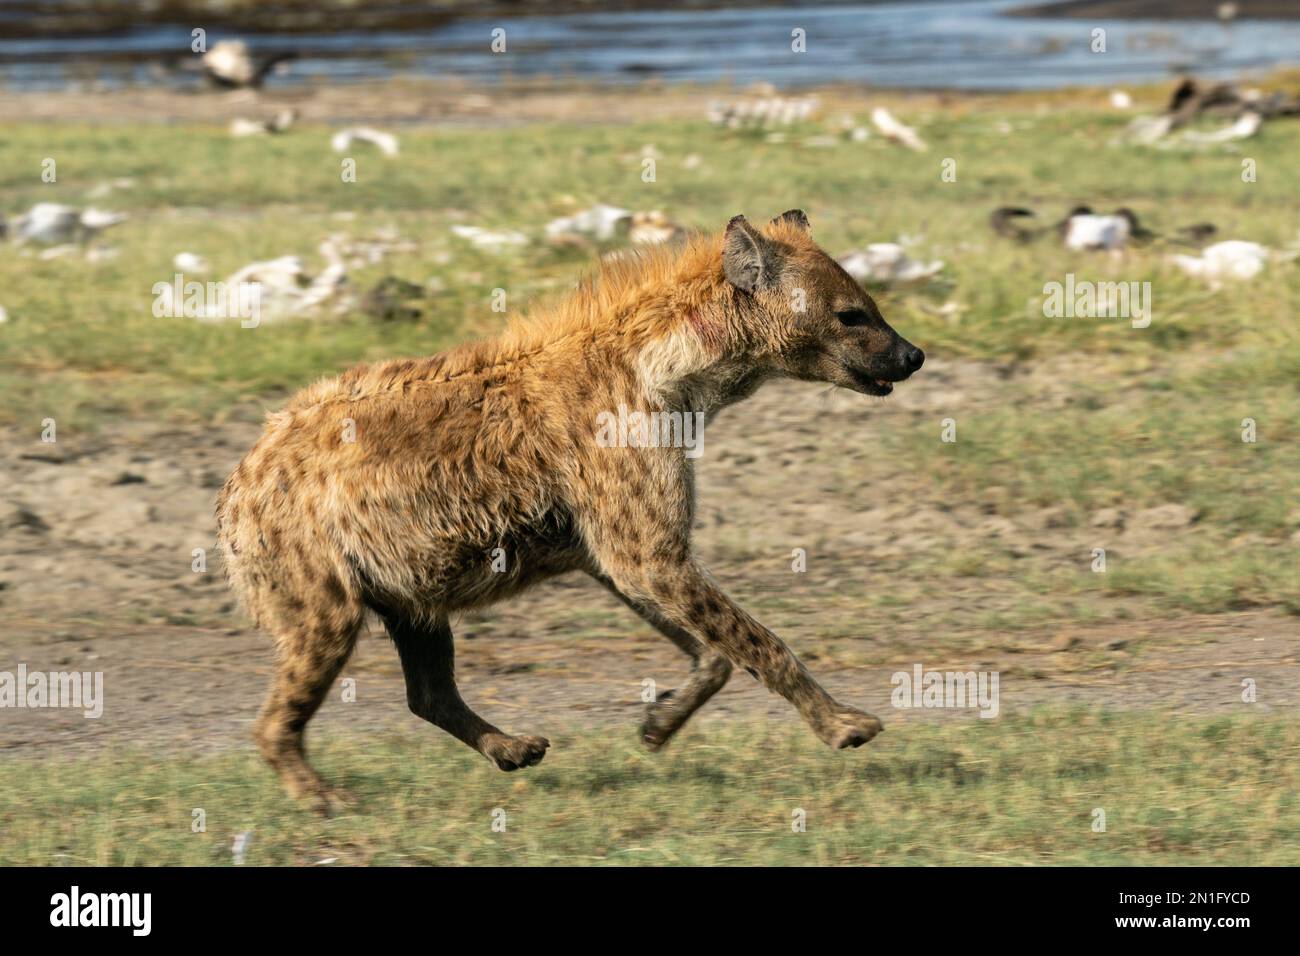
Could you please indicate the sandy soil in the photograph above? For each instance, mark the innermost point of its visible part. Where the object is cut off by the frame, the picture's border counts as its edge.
(420, 100)
(97, 533)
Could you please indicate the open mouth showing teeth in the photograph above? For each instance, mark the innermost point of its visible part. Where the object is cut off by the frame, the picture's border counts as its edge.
(872, 385)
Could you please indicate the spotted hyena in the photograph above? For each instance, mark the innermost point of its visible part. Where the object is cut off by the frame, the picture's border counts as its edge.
(391, 488)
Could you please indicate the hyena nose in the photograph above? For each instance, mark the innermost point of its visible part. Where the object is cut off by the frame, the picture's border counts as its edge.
(913, 359)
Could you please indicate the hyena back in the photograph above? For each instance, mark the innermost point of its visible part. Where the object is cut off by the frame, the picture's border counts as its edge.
(412, 489)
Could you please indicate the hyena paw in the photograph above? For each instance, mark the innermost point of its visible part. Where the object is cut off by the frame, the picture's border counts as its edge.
(849, 727)
(511, 753)
(330, 801)
(658, 725)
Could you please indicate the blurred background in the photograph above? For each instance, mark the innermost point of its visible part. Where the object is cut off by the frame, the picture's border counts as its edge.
(955, 44)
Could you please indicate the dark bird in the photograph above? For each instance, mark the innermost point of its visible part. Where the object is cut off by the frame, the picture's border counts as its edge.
(1136, 231)
(1006, 221)
(1183, 92)
(229, 64)
(1197, 234)
(1083, 229)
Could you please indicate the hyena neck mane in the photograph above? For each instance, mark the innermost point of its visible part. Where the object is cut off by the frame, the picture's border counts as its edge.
(670, 312)
(667, 315)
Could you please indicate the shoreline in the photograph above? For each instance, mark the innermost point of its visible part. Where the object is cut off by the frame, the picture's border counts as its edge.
(416, 100)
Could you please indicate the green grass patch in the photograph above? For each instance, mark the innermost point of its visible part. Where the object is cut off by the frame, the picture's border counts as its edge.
(1012, 791)
(86, 335)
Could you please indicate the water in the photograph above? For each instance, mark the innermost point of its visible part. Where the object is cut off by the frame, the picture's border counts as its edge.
(957, 44)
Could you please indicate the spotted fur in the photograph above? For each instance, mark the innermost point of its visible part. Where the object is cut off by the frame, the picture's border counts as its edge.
(400, 488)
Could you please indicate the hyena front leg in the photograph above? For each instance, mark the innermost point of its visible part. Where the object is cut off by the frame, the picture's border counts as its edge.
(428, 662)
(685, 595)
(710, 670)
(654, 567)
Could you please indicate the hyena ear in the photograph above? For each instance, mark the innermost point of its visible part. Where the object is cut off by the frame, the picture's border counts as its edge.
(749, 259)
(794, 217)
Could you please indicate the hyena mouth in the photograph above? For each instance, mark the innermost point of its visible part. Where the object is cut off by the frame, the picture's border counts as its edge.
(870, 384)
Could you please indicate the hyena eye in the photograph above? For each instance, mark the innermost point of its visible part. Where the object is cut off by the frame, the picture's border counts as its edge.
(853, 317)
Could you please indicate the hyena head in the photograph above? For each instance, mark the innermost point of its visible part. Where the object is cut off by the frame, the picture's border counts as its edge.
(810, 320)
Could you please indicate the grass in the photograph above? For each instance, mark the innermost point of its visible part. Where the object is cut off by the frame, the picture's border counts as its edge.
(1135, 443)
(1009, 791)
(86, 332)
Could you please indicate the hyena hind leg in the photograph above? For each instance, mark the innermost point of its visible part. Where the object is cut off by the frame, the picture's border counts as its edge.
(670, 709)
(308, 662)
(428, 662)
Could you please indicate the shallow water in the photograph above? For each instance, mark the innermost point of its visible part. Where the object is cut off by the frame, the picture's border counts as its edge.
(956, 44)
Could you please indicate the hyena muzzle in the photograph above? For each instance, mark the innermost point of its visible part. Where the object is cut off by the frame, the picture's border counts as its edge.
(413, 489)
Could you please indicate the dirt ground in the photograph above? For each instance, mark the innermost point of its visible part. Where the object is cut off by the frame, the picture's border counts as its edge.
(404, 100)
(97, 533)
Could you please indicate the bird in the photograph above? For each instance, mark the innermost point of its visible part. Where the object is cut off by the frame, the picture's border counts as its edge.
(892, 129)
(230, 65)
(50, 223)
(887, 263)
(1137, 233)
(600, 222)
(283, 121)
(1184, 91)
(1233, 259)
(1005, 222)
(387, 143)
(1197, 233)
(1083, 229)
(1087, 230)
